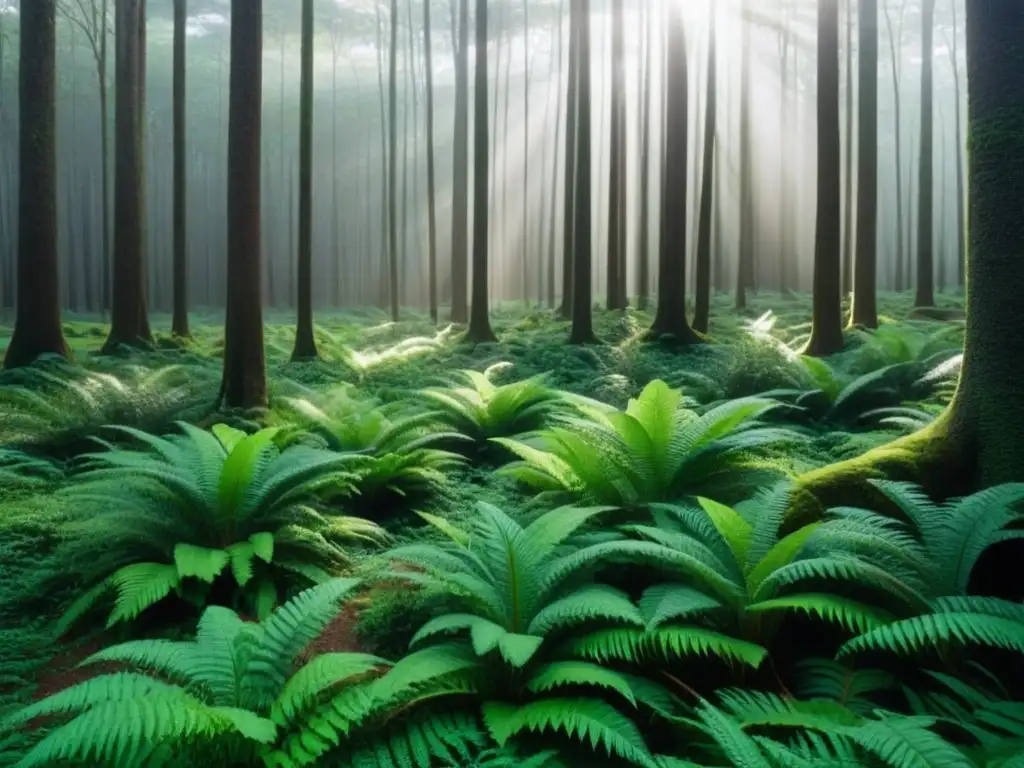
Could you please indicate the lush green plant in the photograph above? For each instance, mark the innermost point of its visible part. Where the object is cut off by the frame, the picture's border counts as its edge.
(523, 592)
(400, 463)
(482, 410)
(653, 451)
(58, 404)
(199, 505)
(917, 347)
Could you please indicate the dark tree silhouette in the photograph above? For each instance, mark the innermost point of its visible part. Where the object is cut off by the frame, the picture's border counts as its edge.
(643, 277)
(305, 343)
(431, 185)
(479, 330)
(827, 328)
(37, 327)
(582, 331)
(245, 373)
(617, 203)
(179, 319)
(702, 306)
(460, 173)
(865, 305)
(571, 160)
(925, 294)
(393, 165)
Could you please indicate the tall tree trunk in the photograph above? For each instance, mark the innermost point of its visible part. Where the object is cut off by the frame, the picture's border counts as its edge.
(670, 320)
(582, 331)
(431, 182)
(245, 378)
(785, 138)
(393, 166)
(848, 161)
(895, 51)
(460, 173)
(865, 307)
(335, 213)
(37, 327)
(745, 262)
(384, 216)
(101, 74)
(571, 164)
(179, 319)
(925, 295)
(554, 166)
(827, 328)
(644, 227)
(961, 223)
(525, 252)
(479, 330)
(616, 258)
(702, 309)
(305, 343)
(128, 326)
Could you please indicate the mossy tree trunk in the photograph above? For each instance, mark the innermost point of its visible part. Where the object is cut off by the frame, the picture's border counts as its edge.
(305, 343)
(179, 319)
(460, 173)
(925, 294)
(582, 331)
(37, 327)
(827, 328)
(670, 319)
(245, 379)
(865, 305)
(976, 442)
(479, 330)
(129, 325)
(702, 309)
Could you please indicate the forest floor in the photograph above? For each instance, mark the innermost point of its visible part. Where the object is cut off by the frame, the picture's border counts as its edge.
(753, 353)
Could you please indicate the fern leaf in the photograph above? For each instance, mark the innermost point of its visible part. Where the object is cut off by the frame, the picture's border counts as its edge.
(569, 673)
(912, 635)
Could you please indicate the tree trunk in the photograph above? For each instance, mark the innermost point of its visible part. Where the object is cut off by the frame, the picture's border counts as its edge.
(179, 320)
(925, 295)
(554, 165)
(848, 161)
(128, 316)
(582, 331)
(865, 308)
(643, 258)
(616, 256)
(101, 73)
(245, 380)
(827, 327)
(393, 167)
(975, 443)
(571, 164)
(479, 330)
(305, 343)
(460, 173)
(745, 262)
(961, 223)
(37, 327)
(431, 183)
(702, 309)
(894, 51)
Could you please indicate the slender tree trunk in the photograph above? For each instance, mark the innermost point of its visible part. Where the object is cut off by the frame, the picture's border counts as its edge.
(179, 320)
(785, 138)
(128, 326)
(385, 248)
(460, 173)
(643, 247)
(305, 342)
(617, 202)
(745, 263)
(827, 328)
(552, 256)
(37, 327)
(393, 166)
(961, 201)
(479, 330)
(670, 320)
(865, 307)
(895, 51)
(848, 162)
(582, 331)
(525, 252)
(335, 224)
(925, 295)
(105, 155)
(571, 163)
(702, 309)
(245, 380)
(431, 182)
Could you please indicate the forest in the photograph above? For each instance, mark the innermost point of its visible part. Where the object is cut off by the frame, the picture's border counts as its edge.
(512, 384)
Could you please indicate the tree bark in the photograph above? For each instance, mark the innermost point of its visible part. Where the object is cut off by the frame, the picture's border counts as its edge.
(245, 380)
(702, 308)
(305, 342)
(460, 173)
(827, 327)
(393, 167)
(571, 163)
(179, 319)
(616, 257)
(431, 183)
(37, 327)
(129, 325)
(925, 295)
(582, 331)
(894, 51)
(865, 306)
(643, 259)
(848, 224)
(961, 223)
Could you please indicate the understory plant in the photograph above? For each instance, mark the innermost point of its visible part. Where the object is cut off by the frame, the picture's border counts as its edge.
(199, 509)
(656, 450)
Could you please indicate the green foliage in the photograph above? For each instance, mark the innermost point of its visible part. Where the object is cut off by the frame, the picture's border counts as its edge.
(198, 507)
(655, 450)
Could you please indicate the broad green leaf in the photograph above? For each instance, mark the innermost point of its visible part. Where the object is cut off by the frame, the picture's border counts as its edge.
(199, 562)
